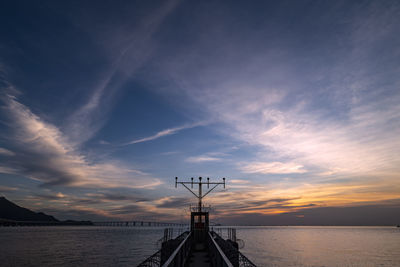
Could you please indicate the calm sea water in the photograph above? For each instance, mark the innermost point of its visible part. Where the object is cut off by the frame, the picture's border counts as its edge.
(265, 246)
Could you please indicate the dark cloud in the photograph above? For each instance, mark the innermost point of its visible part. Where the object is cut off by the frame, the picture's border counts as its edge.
(42, 152)
(250, 206)
(119, 196)
(38, 165)
(263, 202)
(175, 202)
(361, 215)
(128, 209)
(85, 201)
(280, 206)
(136, 212)
(47, 197)
(5, 189)
(93, 199)
(92, 58)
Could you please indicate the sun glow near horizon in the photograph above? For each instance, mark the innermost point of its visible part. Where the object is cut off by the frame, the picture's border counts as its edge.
(298, 115)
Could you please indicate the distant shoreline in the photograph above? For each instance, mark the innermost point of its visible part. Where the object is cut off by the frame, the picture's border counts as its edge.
(12, 223)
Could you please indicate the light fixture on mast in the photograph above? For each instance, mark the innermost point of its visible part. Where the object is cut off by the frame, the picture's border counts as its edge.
(200, 195)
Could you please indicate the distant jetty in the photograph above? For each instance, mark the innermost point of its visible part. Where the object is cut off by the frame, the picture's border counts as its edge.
(14, 215)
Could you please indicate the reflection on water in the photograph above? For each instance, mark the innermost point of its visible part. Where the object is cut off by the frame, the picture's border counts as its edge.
(265, 246)
(322, 246)
(77, 246)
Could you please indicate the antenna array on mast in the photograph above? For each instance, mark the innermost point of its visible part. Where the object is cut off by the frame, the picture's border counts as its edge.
(200, 195)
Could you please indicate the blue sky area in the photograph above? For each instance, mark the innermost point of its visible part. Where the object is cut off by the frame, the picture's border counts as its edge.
(296, 103)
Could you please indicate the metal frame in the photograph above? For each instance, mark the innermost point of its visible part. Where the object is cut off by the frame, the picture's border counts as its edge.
(232, 253)
(179, 256)
(200, 195)
(219, 258)
(152, 261)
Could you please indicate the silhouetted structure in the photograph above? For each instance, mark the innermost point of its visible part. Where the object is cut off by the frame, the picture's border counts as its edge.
(199, 246)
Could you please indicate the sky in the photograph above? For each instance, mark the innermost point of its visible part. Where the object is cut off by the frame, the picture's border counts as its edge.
(296, 103)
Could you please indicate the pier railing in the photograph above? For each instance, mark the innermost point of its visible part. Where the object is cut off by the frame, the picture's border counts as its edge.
(244, 261)
(152, 261)
(180, 254)
(217, 255)
(232, 253)
(175, 252)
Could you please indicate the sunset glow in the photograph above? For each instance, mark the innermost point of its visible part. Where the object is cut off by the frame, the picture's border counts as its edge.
(101, 108)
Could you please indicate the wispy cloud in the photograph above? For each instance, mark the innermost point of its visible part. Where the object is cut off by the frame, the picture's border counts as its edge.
(4, 189)
(134, 47)
(199, 159)
(273, 167)
(326, 116)
(163, 133)
(173, 202)
(207, 157)
(320, 117)
(43, 153)
(346, 123)
(51, 153)
(239, 181)
(6, 152)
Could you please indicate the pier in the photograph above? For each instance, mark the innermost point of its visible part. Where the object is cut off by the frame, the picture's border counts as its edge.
(200, 246)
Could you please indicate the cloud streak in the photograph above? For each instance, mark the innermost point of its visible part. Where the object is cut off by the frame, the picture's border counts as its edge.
(313, 112)
(5, 189)
(51, 154)
(273, 168)
(346, 125)
(200, 159)
(166, 132)
(6, 152)
(43, 153)
(135, 46)
(313, 118)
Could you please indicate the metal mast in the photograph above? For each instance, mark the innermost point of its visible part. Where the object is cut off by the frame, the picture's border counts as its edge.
(200, 195)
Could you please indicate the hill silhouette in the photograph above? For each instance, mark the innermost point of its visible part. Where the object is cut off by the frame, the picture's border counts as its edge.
(11, 211)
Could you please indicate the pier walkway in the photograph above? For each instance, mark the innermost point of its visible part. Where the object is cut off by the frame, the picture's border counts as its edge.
(215, 252)
(199, 257)
(201, 246)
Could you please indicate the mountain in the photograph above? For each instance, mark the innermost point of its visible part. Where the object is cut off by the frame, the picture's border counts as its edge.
(11, 211)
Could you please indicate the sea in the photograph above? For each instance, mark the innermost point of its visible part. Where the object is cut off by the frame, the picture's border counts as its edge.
(309, 246)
